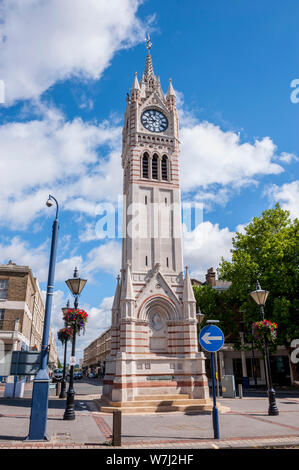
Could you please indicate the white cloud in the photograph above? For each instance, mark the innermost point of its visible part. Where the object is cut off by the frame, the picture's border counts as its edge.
(204, 247)
(288, 157)
(19, 252)
(106, 257)
(43, 42)
(212, 156)
(53, 155)
(287, 195)
(99, 319)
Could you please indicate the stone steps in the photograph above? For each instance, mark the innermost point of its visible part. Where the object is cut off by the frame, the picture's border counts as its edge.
(159, 404)
(167, 397)
(158, 409)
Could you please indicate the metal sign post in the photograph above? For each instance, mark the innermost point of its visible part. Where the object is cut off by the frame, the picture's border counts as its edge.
(211, 338)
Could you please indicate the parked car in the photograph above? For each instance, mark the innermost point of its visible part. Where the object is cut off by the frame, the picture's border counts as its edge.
(78, 375)
(57, 375)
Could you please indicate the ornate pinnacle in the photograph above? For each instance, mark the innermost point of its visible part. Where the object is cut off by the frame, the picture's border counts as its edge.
(148, 43)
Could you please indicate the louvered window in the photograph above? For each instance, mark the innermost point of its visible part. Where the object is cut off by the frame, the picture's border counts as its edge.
(145, 166)
(155, 167)
(164, 168)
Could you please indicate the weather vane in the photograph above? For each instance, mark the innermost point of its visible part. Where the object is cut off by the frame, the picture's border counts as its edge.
(148, 42)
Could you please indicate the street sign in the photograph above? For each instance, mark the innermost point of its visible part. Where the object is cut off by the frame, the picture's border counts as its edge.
(72, 361)
(25, 362)
(211, 338)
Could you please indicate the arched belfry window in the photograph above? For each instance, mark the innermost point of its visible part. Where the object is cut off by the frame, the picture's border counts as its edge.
(155, 167)
(164, 170)
(145, 165)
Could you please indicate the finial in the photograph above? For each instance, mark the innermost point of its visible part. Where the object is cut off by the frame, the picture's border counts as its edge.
(148, 43)
(170, 91)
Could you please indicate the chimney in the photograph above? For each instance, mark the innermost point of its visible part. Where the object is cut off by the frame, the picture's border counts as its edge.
(211, 277)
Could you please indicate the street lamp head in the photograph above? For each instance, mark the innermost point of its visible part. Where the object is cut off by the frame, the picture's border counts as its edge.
(49, 203)
(259, 295)
(76, 284)
(200, 316)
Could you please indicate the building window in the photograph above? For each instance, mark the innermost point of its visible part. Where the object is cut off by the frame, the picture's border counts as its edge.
(164, 168)
(2, 314)
(145, 166)
(146, 261)
(155, 167)
(145, 200)
(167, 263)
(3, 288)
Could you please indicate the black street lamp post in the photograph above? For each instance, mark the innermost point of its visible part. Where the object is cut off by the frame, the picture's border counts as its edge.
(76, 286)
(260, 297)
(63, 381)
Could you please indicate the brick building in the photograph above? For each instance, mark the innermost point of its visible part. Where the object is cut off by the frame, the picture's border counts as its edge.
(97, 352)
(22, 311)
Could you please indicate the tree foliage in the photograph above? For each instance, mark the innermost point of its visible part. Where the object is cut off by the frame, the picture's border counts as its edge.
(267, 251)
(219, 306)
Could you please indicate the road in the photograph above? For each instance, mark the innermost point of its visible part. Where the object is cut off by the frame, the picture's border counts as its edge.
(82, 387)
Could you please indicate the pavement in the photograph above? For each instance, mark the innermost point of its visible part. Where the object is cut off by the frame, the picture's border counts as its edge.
(246, 425)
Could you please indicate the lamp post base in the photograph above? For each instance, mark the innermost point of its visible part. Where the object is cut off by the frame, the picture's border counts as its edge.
(273, 410)
(39, 410)
(63, 388)
(69, 413)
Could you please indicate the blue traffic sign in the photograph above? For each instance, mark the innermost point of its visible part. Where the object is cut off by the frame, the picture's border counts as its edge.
(211, 338)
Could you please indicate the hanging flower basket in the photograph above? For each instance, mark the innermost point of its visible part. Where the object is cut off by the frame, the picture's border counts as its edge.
(76, 319)
(265, 329)
(65, 334)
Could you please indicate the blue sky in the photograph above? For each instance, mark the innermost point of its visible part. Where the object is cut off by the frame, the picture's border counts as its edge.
(67, 66)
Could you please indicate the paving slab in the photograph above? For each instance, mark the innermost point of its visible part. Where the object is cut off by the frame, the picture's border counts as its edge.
(247, 424)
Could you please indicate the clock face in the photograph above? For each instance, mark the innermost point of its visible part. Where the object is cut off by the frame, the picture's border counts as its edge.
(154, 121)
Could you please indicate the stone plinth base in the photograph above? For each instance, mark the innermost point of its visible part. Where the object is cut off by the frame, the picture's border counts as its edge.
(152, 377)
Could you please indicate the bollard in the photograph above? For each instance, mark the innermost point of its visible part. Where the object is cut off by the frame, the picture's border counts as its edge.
(240, 391)
(116, 431)
(58, 385)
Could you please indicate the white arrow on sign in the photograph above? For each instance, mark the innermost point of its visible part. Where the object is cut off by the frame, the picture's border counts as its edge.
(207, 338)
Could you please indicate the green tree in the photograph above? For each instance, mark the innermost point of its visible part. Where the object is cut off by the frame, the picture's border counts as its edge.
(267, 251)
(219, 306)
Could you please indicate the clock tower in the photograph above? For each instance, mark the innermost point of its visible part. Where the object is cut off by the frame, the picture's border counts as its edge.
(154, 344)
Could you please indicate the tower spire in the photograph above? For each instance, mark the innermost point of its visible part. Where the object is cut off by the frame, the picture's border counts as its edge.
(149, 69)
